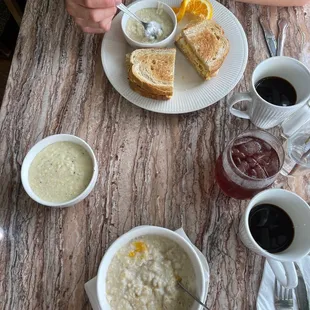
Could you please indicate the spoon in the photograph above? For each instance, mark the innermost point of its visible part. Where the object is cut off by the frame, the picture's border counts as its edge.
(152, 29)
(194, 297)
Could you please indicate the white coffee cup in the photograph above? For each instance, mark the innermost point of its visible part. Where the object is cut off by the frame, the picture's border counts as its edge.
(262, 113)
(281, 263)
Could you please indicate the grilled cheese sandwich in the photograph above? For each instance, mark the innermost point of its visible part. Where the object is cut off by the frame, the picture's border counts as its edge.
(205, 46)
(151, 72)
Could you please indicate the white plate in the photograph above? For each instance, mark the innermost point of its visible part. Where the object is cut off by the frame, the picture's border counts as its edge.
(191, 93)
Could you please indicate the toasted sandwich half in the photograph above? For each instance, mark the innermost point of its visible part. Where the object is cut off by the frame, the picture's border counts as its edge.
(151, 72)
(205, 46)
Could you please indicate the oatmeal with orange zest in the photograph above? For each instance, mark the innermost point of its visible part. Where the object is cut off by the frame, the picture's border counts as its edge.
(143, 275)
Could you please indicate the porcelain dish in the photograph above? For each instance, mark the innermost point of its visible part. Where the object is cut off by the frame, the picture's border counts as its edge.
(136, 6)
(158, 231)
(37, 148)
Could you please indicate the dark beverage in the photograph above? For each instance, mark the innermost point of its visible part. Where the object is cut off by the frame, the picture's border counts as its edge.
(271, 227)
(277, 91)
(249, 164)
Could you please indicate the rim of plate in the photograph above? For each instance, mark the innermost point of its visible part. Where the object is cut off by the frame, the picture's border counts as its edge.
(199, 96)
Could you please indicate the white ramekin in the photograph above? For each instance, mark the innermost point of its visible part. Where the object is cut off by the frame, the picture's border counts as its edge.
(38, 148)
(150, 230)
(138, 5)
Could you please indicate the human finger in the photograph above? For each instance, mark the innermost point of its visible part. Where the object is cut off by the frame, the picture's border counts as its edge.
(86, 23)
(92, 30)
(104, 24)
(97, 4)
(97, 30)
(94, 15)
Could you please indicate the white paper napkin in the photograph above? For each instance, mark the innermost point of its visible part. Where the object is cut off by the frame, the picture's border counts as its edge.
(90, 286)
(265, 299)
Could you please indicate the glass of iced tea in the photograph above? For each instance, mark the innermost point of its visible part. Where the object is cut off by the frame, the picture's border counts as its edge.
(249, 164)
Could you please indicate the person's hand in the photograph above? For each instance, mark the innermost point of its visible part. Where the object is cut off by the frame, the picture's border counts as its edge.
(93, 16)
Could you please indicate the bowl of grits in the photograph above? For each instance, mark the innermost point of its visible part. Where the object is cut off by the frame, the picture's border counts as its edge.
(141, 268)
(149, 10)
(59, 171)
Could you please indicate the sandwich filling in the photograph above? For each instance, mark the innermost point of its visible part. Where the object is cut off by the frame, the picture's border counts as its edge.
(199, 65)
(205, 46)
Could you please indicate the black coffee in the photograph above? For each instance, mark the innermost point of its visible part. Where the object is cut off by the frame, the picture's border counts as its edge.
(277, 91)
(271, 227)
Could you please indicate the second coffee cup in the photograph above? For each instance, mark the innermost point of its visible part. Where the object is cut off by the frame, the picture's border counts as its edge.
(276, 225)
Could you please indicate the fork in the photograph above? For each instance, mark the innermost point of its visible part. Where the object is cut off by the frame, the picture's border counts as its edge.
(283, 296)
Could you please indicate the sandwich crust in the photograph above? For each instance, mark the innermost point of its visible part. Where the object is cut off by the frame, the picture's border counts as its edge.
(144, 93)
(151, 72)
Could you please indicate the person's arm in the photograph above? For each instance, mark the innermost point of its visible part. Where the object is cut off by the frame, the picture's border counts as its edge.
(278, 2)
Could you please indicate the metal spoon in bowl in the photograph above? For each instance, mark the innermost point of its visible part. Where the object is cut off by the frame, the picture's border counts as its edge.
(152, 29)
(194, 297)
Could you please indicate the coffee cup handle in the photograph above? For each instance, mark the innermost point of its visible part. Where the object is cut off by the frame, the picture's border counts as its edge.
(237, 98)
(288, 277)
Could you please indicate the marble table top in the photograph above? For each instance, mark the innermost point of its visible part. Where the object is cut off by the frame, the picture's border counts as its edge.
(154, 169)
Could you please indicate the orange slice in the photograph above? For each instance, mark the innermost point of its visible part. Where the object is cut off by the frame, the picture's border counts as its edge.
(197, 7)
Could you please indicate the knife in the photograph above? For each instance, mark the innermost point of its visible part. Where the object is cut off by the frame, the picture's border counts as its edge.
(282, 24)
(301, 291)
(269, 36)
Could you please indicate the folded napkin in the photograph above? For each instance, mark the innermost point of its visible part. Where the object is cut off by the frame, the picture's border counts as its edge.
(90, 286)
(265, 299)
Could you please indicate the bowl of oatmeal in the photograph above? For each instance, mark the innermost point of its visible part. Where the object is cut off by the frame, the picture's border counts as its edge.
(140, 271)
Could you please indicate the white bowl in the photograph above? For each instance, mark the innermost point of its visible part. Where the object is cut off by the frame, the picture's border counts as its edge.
(38, 148)
(138, 5)
(150, 230)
